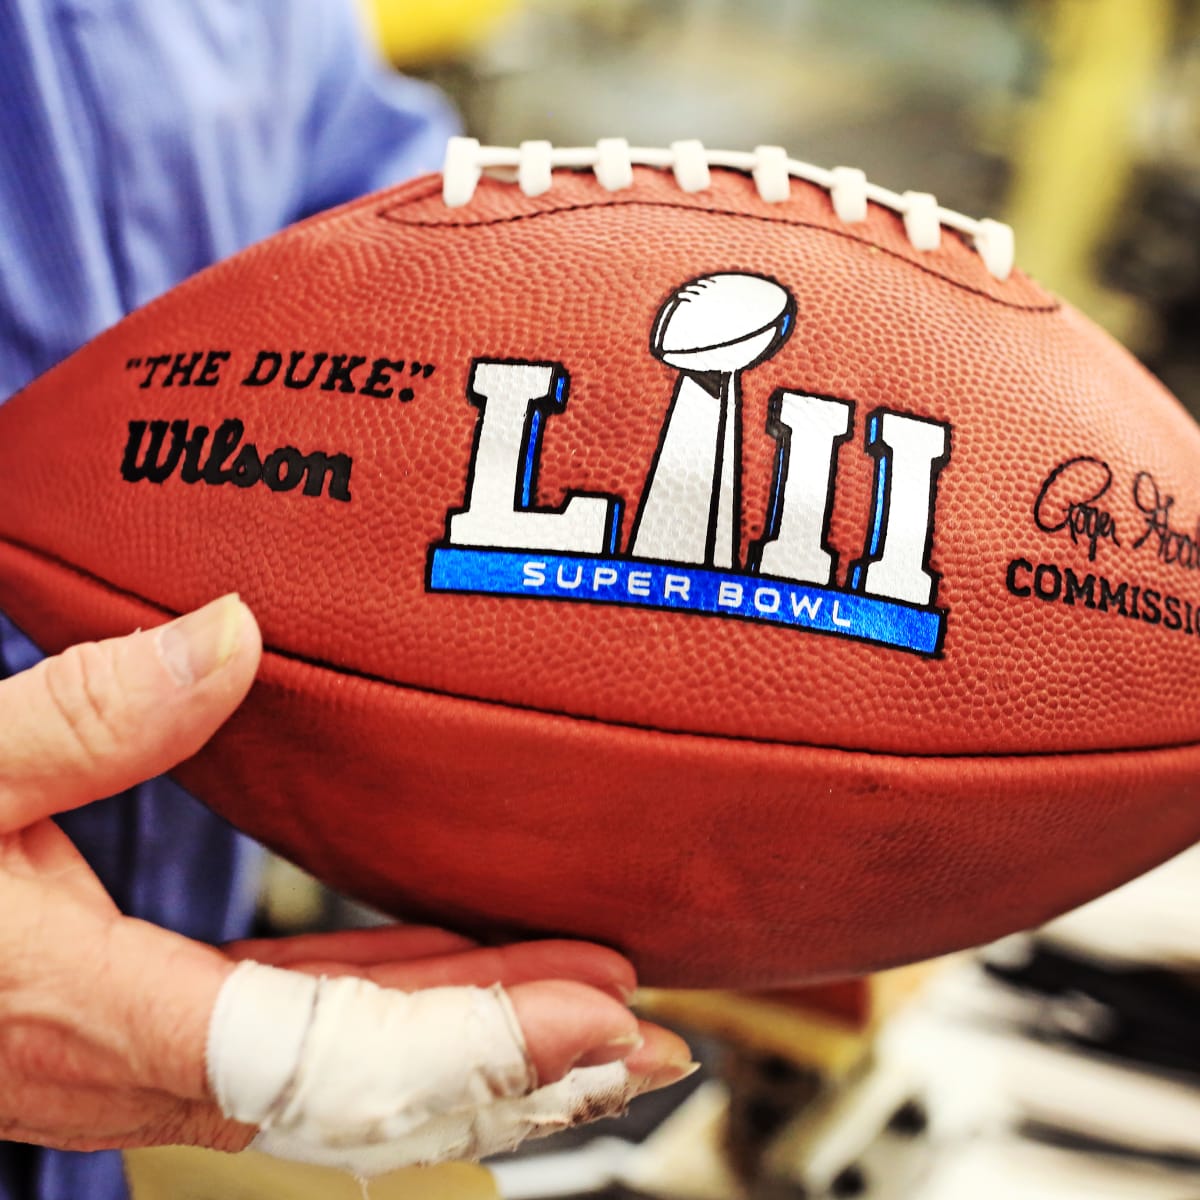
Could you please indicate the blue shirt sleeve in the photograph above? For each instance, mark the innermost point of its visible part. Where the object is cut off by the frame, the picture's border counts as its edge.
(141, 140)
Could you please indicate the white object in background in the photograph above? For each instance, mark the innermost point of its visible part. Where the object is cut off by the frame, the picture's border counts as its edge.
(1008, 1169)
(1155, 920)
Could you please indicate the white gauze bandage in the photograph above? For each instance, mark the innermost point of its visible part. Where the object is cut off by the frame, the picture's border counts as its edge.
(343, 1073)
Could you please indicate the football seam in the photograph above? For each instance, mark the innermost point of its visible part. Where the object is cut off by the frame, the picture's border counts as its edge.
(389, 214)
(608, 722)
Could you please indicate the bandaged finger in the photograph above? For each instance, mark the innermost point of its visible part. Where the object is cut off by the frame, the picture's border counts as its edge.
(473, 1132)
(333, 1069)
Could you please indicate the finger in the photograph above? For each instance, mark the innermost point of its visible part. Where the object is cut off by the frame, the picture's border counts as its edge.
(566, 1024)
(584, 1095)
(42, 852)
(466, 1131)
(106, 715)
(522, 962)
(160, 989)
(662, 1059)
(566, 1028)
(95, 1126)
(111, 1015)
(351, 947)
(192, 1123)
(345, 1073)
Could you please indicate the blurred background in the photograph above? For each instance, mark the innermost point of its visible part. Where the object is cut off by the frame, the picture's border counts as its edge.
(1061, 1064)
(1076, 120)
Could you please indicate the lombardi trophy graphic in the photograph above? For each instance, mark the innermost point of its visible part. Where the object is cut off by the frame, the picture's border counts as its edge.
(711, 329)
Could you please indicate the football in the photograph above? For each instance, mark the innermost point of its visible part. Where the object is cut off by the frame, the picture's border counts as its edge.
(726, 559)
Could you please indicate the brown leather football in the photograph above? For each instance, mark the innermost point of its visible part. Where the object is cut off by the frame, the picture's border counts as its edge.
(718, 557)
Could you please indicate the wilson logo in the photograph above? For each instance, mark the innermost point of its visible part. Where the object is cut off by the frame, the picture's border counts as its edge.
(683, 543)
(156, 450)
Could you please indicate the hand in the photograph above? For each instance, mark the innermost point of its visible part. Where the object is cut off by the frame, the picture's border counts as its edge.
(104, 1020)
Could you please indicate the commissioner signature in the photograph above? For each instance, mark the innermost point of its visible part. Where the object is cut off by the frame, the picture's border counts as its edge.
(1170, 545)
(1068, 501)
(1075, 499)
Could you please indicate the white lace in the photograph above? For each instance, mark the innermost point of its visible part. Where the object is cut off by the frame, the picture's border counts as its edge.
(613, 160)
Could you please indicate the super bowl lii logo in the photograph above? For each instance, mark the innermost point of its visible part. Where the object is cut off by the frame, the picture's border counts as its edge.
(683, 548)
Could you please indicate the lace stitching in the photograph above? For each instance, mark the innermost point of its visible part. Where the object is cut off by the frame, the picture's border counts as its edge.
(613, 159)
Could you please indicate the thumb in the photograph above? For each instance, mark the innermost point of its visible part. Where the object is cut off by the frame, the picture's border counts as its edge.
(106, 715)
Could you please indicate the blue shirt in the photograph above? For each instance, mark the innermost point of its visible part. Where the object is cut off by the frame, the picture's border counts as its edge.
(141, 140)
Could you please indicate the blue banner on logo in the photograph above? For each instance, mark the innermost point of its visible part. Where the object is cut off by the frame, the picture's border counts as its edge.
(686, 589)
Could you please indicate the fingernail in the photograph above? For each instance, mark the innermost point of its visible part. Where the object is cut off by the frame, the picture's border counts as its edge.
(666, 1075)
(202, 642)
(611, 1051)
(627, 995)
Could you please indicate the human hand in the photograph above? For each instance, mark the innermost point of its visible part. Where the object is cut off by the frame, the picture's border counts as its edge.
(106, 1022)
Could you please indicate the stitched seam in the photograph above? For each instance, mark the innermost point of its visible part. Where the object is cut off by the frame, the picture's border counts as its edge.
(426, 193)
(388, 214)
(742, 739)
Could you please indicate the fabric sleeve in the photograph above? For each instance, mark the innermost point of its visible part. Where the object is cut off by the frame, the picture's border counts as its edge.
(368, 126)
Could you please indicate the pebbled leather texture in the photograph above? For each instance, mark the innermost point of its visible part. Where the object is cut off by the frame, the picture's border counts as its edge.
(733, 802)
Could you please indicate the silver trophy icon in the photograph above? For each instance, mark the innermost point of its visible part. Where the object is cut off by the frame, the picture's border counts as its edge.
(712, 330)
